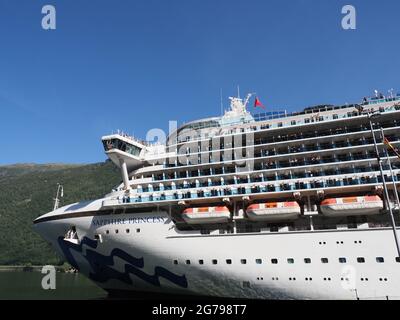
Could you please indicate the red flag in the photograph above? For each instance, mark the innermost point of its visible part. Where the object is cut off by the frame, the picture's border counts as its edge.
(257, 103)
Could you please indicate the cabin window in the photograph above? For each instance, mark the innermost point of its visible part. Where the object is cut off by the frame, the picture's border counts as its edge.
(175, 261)
(116, 230)
(342, 260)
(127, 230)
(201, 261)
(274, 261)
(258, 261)
(307, 260)
(290, 260)
(214, 261)
(138, 230)
(187, 261)
(360, 260)
(397, 259)
(380, 259)
(243, 261)
(324, 260)
(107, 231)
(228, 261)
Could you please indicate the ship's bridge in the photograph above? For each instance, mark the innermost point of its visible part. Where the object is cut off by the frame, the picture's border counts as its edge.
(121, 148)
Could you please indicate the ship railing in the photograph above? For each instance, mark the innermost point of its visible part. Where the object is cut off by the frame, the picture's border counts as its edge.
(137, 140)
(239, 190)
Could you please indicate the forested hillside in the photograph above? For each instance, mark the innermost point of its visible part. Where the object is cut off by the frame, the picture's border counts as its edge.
(27, 191)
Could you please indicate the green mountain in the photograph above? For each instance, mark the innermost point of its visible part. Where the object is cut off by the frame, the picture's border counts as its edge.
(27, 191)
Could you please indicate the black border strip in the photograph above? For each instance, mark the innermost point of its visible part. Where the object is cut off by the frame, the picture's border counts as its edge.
(73, 215)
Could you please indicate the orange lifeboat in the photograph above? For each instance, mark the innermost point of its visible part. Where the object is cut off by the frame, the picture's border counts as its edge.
(351, 206)
(206, 215)
(273, 211)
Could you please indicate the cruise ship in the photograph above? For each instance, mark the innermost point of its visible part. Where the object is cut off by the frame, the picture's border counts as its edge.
(274, 205)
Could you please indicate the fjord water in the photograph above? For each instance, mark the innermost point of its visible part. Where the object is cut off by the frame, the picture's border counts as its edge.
(27, 286)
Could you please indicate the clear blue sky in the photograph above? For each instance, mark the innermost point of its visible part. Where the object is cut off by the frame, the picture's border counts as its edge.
(136, 64)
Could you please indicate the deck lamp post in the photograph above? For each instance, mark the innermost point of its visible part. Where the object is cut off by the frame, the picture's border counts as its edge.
(372, 116)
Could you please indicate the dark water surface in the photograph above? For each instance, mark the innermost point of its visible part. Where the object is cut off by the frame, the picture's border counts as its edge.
(27, 285)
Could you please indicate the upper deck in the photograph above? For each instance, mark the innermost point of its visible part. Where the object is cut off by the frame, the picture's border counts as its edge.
(282, 152)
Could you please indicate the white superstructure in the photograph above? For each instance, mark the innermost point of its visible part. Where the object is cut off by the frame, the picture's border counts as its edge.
(271, 206)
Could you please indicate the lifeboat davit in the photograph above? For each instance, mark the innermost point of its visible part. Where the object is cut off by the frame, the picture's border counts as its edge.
(206, 215)
(351, 206)
(273, 211)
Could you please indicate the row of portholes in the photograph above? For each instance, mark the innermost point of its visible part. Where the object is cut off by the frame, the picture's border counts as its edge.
(325, 279)
(289, 260)
(339, 242)
(126, 231)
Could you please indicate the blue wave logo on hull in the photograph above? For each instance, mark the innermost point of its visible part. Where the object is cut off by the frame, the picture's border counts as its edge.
(101, 265)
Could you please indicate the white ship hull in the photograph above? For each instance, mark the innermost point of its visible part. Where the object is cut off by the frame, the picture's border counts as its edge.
(144, 261)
